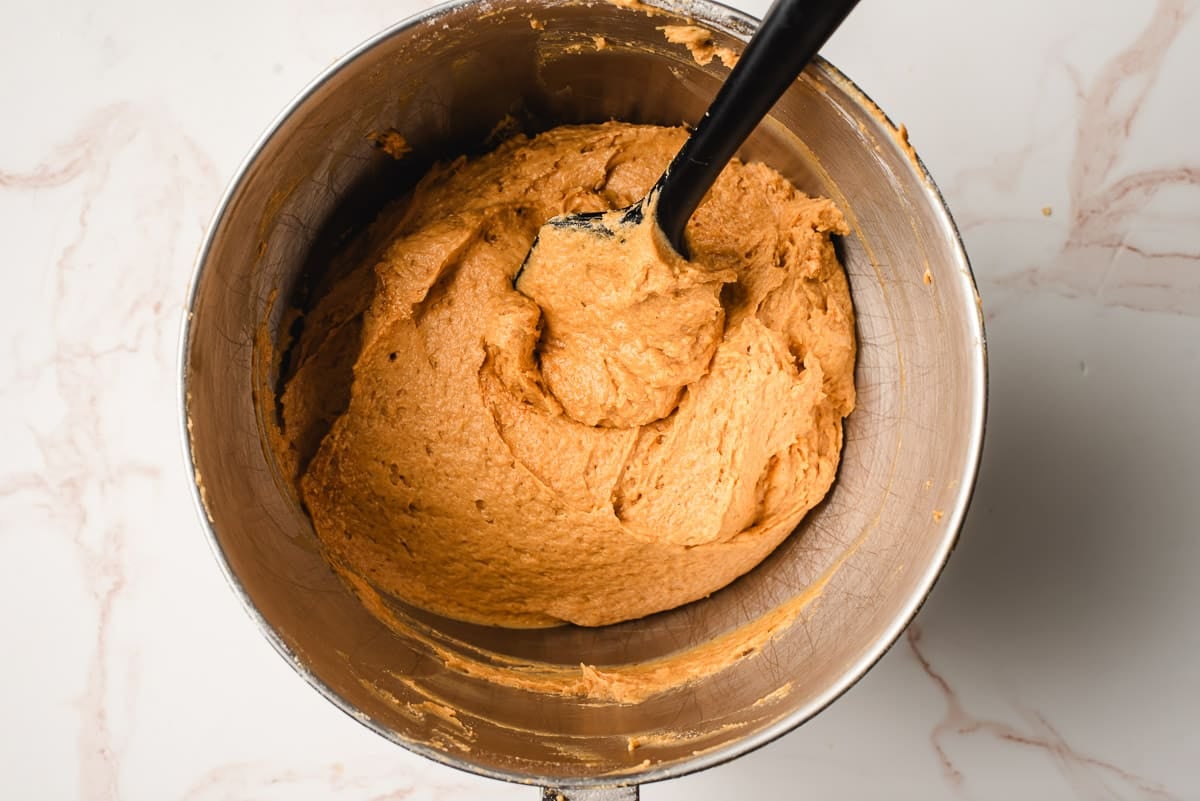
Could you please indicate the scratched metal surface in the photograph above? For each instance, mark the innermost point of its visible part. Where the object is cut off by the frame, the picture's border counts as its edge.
(878, 541)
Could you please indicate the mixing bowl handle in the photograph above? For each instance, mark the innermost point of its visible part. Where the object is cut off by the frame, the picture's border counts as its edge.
(591, 794)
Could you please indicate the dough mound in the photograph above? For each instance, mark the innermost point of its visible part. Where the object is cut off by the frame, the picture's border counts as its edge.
(644, 439)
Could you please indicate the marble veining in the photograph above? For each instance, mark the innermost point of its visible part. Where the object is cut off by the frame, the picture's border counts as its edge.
(1056, 658)
(1086, 774)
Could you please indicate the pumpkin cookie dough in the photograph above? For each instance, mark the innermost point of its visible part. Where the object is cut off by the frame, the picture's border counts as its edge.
(455, 449)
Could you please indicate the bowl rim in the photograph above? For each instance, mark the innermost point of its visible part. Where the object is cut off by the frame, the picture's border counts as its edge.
(733, 22)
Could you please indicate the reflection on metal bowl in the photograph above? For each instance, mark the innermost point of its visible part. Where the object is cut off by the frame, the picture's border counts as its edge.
(795, 632)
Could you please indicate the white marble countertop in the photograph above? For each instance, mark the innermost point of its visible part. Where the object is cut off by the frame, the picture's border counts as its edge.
(1057, 658)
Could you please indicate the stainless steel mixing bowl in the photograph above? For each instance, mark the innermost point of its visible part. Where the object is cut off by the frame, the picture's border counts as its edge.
(840, 590)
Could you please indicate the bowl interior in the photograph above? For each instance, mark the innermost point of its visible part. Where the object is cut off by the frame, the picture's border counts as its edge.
(799, 628)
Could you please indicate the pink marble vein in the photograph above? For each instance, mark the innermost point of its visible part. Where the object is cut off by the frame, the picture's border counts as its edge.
(108, 335)
(1086, 774)
(1110, 251)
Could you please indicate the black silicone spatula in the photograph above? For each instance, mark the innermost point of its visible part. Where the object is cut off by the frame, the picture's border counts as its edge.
(790, 36)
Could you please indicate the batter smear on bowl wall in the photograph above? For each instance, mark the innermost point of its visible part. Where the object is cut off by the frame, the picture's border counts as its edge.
(486, 464)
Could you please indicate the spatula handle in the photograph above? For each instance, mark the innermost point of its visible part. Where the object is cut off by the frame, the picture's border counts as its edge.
(788, 38)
